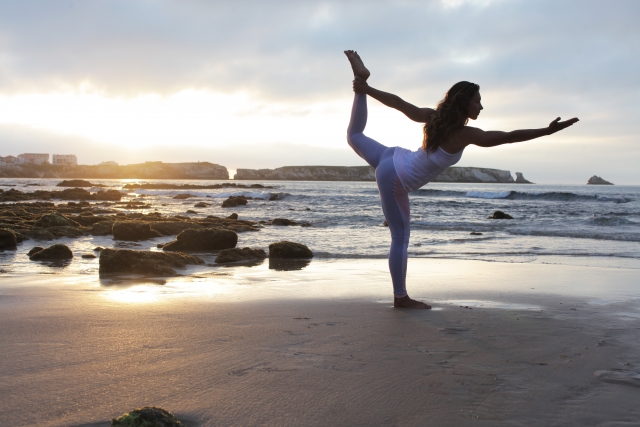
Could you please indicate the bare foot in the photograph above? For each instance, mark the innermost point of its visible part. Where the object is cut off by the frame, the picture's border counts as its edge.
(406, 302)
(359, 70)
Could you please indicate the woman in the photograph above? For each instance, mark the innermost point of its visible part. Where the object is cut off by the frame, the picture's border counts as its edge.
(399, 171)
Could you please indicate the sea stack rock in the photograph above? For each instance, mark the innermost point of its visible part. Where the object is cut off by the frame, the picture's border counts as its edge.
(596, 180)
(520, 179)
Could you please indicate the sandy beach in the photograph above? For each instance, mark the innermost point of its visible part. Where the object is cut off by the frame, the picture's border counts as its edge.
(323, 346)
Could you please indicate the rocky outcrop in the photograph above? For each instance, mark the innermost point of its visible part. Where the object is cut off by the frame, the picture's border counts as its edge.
(146, 416)
(309, 173)
(53, 252)
(14, 195)
(113, 261)
(54, 219)
(8, 239)
(596, 180)
(286, 249)
(133, 231)
(147, 170)
(367, 173)
(520, 179)
(77, 183)
(34, 249)
(234, 201)
(205, 239)
(238, 255)
(500, 215)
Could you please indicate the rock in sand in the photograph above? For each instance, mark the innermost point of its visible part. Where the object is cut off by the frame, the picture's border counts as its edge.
(237, 255)
(133, 231)
(203, 239)
(144, 262)
(8, 239)
(148, 416)
(286, 249)
(53, 252)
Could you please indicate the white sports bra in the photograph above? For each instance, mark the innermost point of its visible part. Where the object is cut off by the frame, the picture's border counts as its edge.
(416, 168)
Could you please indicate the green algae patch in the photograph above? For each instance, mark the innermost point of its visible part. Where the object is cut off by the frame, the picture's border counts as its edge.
(148, 416)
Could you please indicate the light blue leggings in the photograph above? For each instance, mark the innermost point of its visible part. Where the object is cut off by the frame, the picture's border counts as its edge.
(394, 198)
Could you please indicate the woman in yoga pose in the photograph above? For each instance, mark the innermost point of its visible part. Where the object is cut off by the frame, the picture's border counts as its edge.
(399, 171)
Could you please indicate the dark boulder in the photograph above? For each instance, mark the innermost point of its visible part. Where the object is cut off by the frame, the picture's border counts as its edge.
(289, 250)
(233, 216)
(34, 249)
(183, 196)
(110, 195)
(171, 228)
(75, 183)
(65, 231)
(476, 233)
(201, 205)
(53, 252)
(8, 239)
(234, 201)
(72, 194)
(54, 219)
(40, 234)
(500, 215)
(276, 196)
(102, 228)
(282, 221)
(191, 211)
(148, 416)
(88, 256)
(133, 231)
(237, 255)
(204, 239)
(144, 262)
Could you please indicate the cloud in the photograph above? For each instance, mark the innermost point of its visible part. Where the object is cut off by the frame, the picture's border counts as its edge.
(533, 61)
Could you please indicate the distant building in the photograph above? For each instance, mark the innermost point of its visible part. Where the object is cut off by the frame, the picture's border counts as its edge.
(34, 158)
(8, 160)
(108, 163)
(65, 159)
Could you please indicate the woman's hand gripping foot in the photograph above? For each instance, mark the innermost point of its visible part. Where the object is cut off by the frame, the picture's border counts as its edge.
(406, 302)
(359, 70)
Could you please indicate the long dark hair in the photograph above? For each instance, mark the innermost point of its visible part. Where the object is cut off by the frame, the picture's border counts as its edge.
(451, 114)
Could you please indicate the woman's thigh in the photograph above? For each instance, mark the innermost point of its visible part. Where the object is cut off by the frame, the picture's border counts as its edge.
(394, 198)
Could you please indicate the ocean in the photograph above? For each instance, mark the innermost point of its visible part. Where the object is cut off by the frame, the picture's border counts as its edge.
(578, 225)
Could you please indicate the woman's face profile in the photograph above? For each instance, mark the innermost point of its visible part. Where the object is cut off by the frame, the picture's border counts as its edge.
(475, 106)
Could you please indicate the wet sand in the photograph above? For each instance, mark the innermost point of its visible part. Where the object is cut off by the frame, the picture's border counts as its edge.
(323, 346)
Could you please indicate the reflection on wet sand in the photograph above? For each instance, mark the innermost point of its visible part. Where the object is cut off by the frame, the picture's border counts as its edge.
(281, 264)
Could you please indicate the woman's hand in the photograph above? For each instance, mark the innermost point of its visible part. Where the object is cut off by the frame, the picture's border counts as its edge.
(360, 85)
(557, 125)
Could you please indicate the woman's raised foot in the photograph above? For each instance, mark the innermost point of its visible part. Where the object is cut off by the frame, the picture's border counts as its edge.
(359, 70)
(406, 302)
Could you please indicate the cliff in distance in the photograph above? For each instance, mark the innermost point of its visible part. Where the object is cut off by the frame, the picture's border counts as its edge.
(149, 170)
(366, 173)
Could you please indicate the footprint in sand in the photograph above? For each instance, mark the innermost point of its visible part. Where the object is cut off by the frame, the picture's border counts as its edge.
(619, 376)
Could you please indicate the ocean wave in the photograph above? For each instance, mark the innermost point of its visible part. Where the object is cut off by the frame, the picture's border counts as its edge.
(214, 195)
(607, 221)
(488, 194)
(560, 196)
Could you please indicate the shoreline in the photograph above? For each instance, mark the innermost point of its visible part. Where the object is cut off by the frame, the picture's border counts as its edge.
(322, 346)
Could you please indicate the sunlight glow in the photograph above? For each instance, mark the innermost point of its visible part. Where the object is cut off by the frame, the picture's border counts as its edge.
(189, 117)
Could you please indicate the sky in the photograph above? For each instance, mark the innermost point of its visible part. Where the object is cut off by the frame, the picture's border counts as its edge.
(264, 84)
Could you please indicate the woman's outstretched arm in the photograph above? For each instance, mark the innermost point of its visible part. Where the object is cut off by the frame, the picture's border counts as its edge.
(416, 114)
(482, 138)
